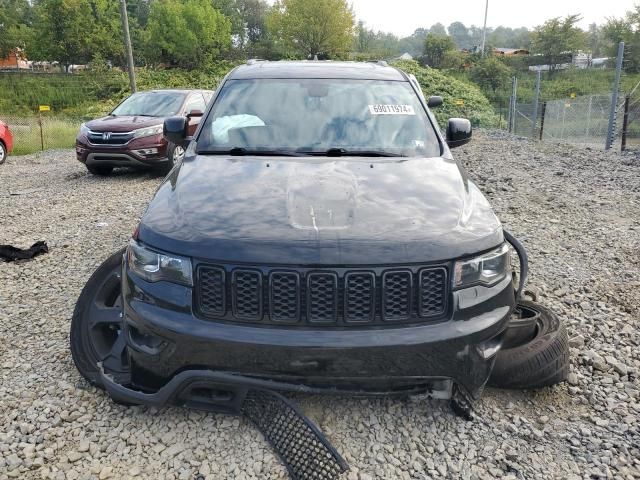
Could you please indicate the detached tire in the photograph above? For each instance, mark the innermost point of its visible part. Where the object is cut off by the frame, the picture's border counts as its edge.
(540, 361)
(96, 323)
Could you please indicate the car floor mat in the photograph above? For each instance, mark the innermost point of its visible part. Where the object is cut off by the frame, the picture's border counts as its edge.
(9, 253)
(301, 446)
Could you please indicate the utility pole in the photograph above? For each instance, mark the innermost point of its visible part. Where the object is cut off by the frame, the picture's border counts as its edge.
(614, 99)
(484, 29)
(127, 45)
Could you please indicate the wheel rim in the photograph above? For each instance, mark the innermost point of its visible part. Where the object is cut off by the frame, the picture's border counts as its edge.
(104, 321)
(2, 153)
(178, 154)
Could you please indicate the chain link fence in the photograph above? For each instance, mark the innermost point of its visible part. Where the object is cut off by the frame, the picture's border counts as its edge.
(43, 132)
(582, 120)
(630, 135)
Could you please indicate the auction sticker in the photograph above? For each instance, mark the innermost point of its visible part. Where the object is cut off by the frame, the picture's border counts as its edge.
(381, 109)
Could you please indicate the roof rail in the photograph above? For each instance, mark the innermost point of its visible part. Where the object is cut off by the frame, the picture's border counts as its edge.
(253, 61)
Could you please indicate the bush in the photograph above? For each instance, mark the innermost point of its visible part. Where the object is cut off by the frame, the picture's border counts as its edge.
(475, 105)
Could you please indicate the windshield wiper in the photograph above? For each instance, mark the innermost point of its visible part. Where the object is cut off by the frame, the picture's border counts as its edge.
(343, 152)
(242, 152)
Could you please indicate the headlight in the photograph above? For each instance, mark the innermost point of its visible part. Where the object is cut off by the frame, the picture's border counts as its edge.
(486, 269)
(154, 266)
(84, 130)
(147, 131)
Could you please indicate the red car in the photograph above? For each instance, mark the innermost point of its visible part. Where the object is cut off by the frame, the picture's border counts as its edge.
(131, 135)
(6, 142)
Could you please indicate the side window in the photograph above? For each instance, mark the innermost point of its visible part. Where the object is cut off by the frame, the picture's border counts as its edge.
(196, 102)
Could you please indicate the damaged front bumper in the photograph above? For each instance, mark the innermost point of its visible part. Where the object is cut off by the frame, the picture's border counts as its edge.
(174, 357)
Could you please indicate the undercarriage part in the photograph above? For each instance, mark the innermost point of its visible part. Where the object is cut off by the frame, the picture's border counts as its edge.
(461, 403)
(301, 446)
(524, 261)
(9, 253)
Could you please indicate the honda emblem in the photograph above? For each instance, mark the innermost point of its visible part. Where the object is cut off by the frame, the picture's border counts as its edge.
(106, 136)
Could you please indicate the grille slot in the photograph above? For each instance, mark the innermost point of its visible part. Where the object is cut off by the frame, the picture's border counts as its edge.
(359, 297)
(211, 291)
(284, 297)
(397, 295)
(431, 292)
(246, 294)
(322, 297)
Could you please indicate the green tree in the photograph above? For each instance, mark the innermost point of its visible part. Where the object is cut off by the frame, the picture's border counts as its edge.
(460, 35)
(627, 30)
(312, 27)
(490, 74)
(186, 33)
(435, 48)
(63, 31)
(557, 37)
(438, 29)
(105, 40)
(15, 25)
(248, 20)
(414, 43)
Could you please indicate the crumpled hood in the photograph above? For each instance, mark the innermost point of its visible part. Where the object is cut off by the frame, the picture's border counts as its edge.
(122, 123)
(320, 211)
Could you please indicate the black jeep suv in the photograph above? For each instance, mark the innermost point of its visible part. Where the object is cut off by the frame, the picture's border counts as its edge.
(317, 236)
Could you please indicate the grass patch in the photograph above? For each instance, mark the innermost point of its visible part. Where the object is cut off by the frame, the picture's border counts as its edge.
(56, 133)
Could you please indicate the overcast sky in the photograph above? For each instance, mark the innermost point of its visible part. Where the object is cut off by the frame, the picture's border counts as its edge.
(402, 17)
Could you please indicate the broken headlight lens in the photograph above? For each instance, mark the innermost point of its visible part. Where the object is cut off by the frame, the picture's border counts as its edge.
(154, 266)
(487, 269)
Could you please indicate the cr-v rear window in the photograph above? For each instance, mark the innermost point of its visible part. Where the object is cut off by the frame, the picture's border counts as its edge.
(316, 115)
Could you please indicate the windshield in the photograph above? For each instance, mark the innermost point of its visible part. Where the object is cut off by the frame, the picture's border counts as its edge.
(151, 104)
(319, 116)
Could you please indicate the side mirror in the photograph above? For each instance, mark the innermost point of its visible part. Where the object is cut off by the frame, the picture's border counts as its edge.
(458, 132)
(195, 113)
(175, 130)
(434, 101)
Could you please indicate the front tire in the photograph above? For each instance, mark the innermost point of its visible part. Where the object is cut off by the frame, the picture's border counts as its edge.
(3, 152)
(175, 154)
(96, 326)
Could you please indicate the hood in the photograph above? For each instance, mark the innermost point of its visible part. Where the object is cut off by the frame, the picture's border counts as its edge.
(122, 123)
(309, 211)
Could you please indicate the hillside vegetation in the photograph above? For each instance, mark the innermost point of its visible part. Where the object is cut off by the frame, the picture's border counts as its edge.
(91, 94)
(461, 98)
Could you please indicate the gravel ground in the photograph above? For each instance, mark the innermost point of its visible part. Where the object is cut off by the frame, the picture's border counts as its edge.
(578, 212)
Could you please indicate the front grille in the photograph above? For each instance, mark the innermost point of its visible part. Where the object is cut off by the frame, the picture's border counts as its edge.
(336, 297)
(109, 138)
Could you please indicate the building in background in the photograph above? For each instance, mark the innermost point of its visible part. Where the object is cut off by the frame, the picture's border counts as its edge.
(16, 59)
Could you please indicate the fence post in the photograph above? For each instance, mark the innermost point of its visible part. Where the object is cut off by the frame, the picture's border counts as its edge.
(542, 114)
(512, 105)
(625, 123)
(536, 99)
(589, 115)
(614, 99)
(41, 132)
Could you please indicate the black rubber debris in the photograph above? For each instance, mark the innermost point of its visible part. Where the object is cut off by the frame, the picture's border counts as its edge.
(9, 253)
(301, 446)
